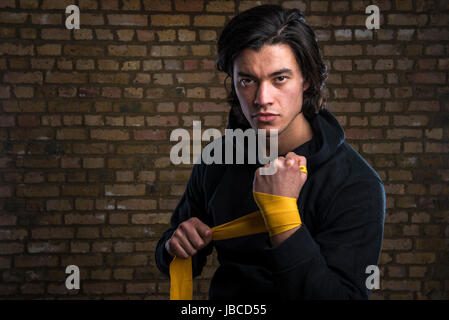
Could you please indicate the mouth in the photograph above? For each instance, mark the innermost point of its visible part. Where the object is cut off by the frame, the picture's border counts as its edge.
(266, 116)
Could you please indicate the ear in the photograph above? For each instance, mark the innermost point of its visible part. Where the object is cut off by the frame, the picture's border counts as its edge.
(305, 86)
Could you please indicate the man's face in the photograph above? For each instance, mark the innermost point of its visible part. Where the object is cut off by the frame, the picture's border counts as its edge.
(269, 86)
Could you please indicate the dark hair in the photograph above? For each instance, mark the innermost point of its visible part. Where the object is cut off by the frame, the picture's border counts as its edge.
(272, 24)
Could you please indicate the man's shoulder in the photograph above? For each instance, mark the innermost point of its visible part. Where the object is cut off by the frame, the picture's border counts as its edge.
(358, 166)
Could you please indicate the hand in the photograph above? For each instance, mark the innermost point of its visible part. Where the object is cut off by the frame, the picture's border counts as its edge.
(190, 236)
(288, 179)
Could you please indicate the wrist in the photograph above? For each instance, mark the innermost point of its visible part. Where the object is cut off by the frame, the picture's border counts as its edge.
(279, 213)
(281, 237)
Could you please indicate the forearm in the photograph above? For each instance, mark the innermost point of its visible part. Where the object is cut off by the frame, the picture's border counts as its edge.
(301, 270)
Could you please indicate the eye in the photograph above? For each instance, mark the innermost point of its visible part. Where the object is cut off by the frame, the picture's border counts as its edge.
(245, 82)
(281, 79)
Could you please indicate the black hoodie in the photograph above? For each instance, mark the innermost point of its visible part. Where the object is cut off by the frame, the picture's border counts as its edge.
(342, 209)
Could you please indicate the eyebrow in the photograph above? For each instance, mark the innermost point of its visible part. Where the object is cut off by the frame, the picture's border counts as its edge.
(276, 73)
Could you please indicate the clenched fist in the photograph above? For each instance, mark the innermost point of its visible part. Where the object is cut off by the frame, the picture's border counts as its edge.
(190, 236)
(288, 179)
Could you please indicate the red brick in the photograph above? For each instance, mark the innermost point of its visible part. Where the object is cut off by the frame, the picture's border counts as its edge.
(13, 234)
(8, 4)
(8, 219)
(401, 285)
(170, 20)
(150, 134)
(127, 50)
(415, 258)
(46, 247)
(23, 77)
(200, 77)
(125, 190)
(83, 50)
(364, 134)
(131, 5)
(78, 190)
(169, 51)
(342, 50)
(435, 133)
(147, 287)
(188, 5)
(382, 147)
(55, 34)
(431, 106)
(128, 19)
(426, 78)
(157, 5)
(11, 248)
(73, 218)
(136, 204)
(17, 49)
(406, 19)
(437, 147)
(221, 6)
(28, 121)
(7, 121)
(109, 78)
(344, 107)
(52, 233)
(103, 287)
(145, 35)
(82, 260)
(13, 17)
(412, 120)
(55, 4)
(209, 21)
(324, 21)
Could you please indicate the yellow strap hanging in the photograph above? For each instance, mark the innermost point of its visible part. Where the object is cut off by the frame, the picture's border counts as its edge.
(278, 215)
(181, 283)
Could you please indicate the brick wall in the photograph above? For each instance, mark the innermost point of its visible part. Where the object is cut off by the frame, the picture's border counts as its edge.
(86, 117)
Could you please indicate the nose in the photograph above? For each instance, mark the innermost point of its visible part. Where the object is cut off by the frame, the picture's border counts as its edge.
(264, 95)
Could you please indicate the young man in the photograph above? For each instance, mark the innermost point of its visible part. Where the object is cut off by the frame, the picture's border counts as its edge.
(324, 244)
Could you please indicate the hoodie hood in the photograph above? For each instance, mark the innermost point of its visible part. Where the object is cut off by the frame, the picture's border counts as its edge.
(328, 136)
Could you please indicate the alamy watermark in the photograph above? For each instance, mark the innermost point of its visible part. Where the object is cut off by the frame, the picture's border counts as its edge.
(73, 20)
(214, 151)
(373, 20)
(373, 280)
(72, 282)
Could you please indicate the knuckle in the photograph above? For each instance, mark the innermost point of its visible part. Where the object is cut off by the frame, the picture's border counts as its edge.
(200, 244)
(194, 220)
(182, 226)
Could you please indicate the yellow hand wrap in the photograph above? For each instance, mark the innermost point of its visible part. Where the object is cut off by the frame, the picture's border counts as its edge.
(181, 283)
(277, 214)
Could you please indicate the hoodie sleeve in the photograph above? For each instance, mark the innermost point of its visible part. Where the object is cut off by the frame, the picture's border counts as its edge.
(332, 264)
(192, 204)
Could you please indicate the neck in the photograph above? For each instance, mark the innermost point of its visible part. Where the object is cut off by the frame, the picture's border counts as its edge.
(297, 133)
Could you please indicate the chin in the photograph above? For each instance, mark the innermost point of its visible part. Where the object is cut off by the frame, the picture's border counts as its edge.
(268, 127)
